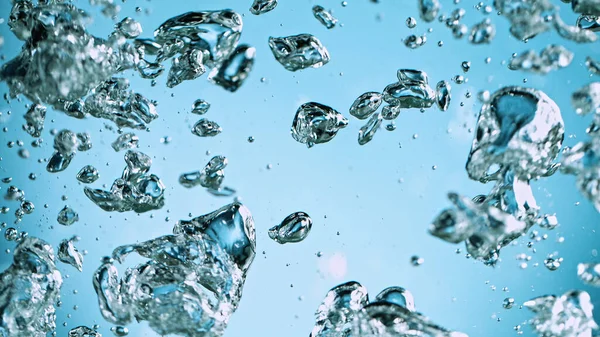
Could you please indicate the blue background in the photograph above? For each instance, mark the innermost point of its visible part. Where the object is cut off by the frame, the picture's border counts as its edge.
(346, 188)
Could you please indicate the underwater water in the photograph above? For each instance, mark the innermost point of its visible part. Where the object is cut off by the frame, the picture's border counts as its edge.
(200, 266)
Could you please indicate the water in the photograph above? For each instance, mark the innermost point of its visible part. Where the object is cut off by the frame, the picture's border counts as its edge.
(366, 224)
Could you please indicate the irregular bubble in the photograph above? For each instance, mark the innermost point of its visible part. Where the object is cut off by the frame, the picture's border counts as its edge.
(565, 316)
(67, 216)
(589, 273)
(324, 16)
(262, 6)
(459, 30)
(299, 52)
(75, 109)
(586, 99)
(119, 331)
(84, 141)
(443, 95)
(552, 57)
(34, 117)
(508, 303)
(29, 288)
(592, 65)
(60, 61)
(589, 7)
(83, 331)
(23, 153)
(59, 162)
(520, 128)
(483, 32)
(412, 76)
(136, 189)
(173, 47)
(397, 295)
(367, 131)
(466, 66)
(388, 319)
(125, 141)
(390, 112)
(416, 261)
(129, 28)
(27, 207)
(338, 309)
(109, 8)
(211, 176)
(235, 69)
(365, 105)
(485, 224)
(552, 264)
(221, 192)
(190, 179)
(527, 18)
(200, 107)
(11, 234)
(67, 253)
(231, 227)
(582, 161)
(146, 47)
(346, 311)
(573, 33)
(588, 22)
(294, 228)
(548, 222)
(513, 196)
(214, 31)
(65, 142)
(88, 174)
(429, 9)
(14, 193)
(316, 123)
(412, 90)
(149, 70)
(411, 22)
(206, 128)
(187, 66)
(113, 101)
(192, 281)
(414, 41)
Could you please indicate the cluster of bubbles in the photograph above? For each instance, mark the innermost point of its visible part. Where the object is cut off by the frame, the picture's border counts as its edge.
(191, 281)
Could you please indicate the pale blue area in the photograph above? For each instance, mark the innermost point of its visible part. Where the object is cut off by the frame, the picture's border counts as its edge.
(346, 188)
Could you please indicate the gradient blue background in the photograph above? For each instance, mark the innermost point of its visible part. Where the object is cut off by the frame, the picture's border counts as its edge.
(346, 188)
